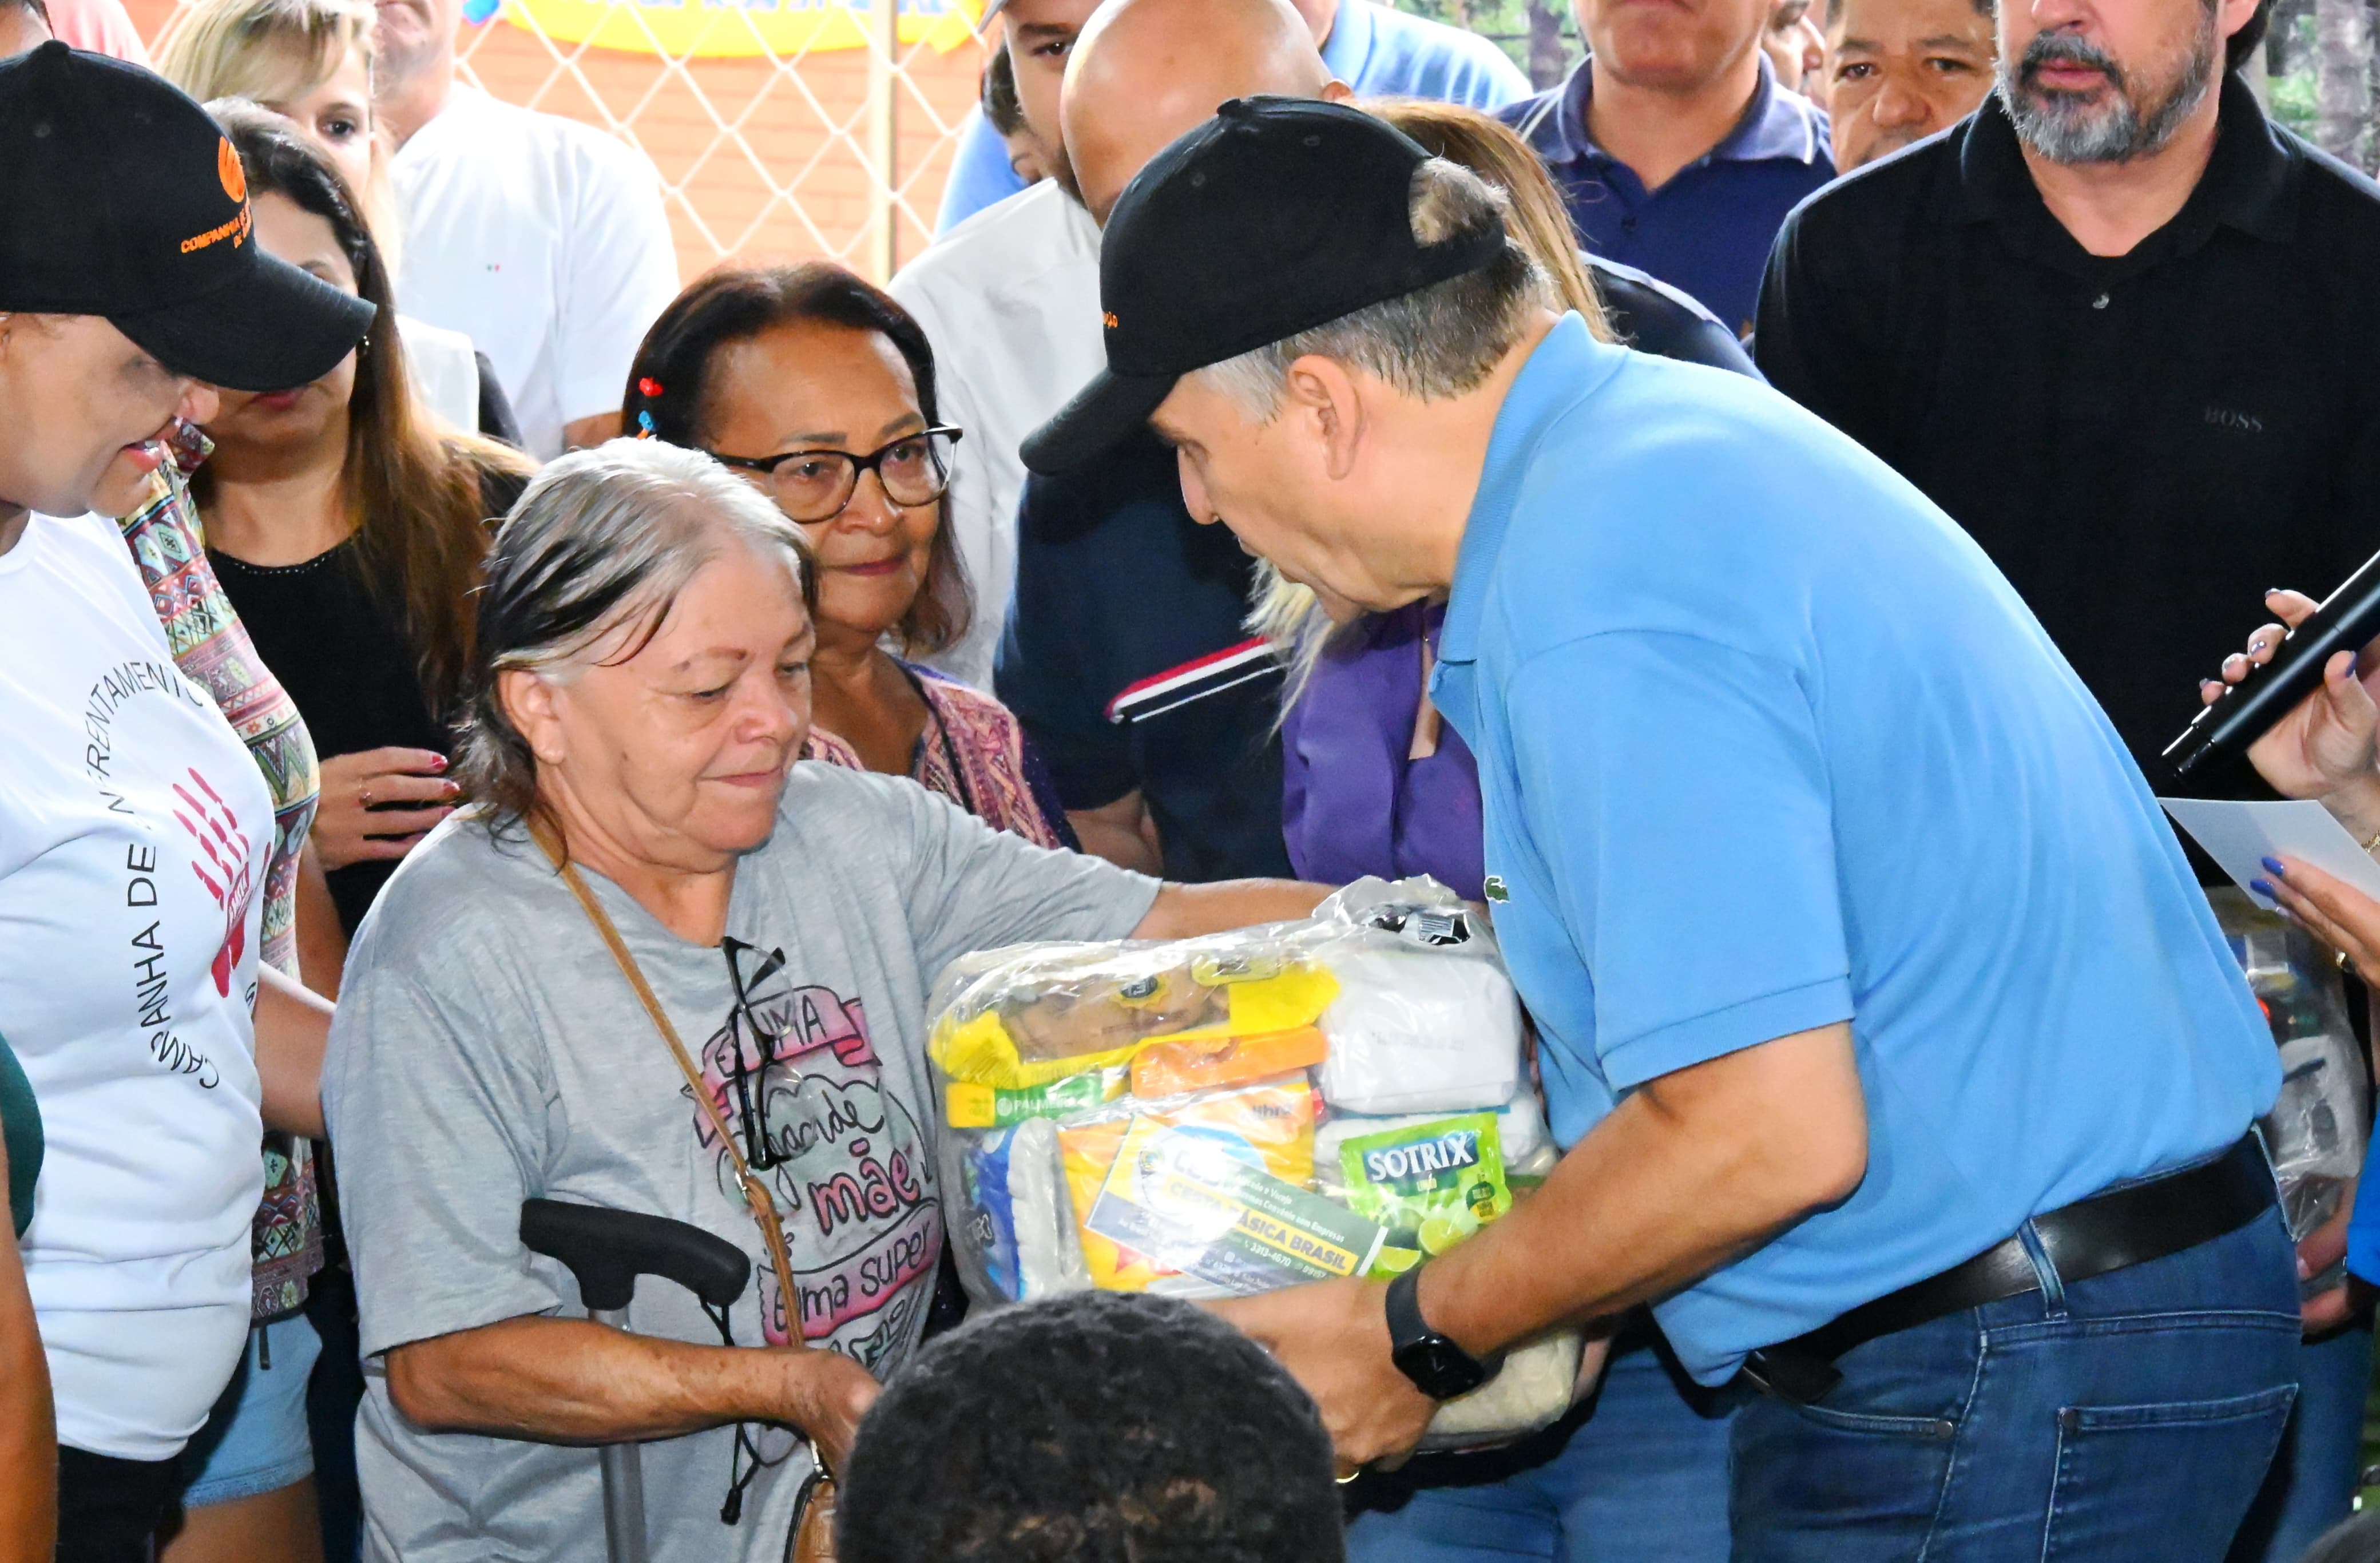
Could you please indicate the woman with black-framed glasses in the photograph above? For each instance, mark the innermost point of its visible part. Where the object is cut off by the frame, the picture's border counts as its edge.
(820, 390)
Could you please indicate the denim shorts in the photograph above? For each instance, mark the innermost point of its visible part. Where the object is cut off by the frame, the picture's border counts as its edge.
(255, 1440)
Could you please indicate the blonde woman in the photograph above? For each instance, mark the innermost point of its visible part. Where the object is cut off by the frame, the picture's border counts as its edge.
(311, 61)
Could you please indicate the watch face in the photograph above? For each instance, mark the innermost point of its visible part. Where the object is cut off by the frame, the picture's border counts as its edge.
(1438, 1367)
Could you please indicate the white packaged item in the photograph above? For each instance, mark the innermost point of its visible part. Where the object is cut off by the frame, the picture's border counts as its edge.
(1528, 1145)
(1049, 1255)
(1540, 1375)
(1412, 1031)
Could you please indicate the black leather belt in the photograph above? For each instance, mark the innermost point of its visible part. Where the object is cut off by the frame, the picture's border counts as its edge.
(2109, 1232)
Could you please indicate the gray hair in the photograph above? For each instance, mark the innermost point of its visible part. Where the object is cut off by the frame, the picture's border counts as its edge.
(596, 553)
(1438, 342)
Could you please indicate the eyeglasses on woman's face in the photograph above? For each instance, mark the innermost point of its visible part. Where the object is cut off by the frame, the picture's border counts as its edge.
(814, 485)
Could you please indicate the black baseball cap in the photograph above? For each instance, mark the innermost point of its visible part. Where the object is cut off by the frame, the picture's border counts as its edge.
(124, 200)
(1276, 216)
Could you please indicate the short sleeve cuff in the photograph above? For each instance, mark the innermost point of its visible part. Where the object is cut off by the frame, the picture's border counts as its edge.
(1088, 786)
(389, 1322)
(1124, 906)
(1700, 1038)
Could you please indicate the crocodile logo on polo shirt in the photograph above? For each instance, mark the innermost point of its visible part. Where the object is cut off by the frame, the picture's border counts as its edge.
(1494, 889)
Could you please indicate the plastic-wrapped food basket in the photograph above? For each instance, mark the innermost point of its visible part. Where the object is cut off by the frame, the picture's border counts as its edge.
(1216, 1117)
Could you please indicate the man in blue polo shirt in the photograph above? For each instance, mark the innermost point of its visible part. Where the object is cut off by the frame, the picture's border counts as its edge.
(1376, 48)
(1677, 150)
(1898, 1059)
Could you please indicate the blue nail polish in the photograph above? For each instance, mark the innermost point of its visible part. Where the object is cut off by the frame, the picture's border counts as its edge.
(2260, 888)
(2275, 865)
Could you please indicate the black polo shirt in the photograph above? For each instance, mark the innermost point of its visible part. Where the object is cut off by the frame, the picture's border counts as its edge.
(2143, 445)
(1127, 660)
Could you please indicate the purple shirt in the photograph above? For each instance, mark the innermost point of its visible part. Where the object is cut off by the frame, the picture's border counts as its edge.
(1352, 803)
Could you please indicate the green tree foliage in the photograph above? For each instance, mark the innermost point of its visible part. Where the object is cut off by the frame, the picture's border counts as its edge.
(1540, 35)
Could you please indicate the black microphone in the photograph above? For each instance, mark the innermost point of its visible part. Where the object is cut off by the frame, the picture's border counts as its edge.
(2349, 620)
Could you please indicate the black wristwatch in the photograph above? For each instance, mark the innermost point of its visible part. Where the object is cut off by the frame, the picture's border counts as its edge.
(1437, 1366)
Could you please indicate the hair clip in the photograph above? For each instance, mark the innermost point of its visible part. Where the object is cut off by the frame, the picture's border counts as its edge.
(645, 426)
(650, 386)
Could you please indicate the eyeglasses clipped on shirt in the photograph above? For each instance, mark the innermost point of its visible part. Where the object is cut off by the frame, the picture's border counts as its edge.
(812, 486)
(747, 1081)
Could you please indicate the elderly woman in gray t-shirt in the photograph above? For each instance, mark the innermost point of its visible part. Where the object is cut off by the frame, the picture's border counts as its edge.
(643, 693)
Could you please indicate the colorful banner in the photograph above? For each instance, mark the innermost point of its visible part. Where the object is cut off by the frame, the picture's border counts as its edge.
(695, 29)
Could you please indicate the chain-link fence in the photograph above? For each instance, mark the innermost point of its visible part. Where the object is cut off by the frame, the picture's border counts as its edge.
(788, 130)
(783, 129)
(791, 130)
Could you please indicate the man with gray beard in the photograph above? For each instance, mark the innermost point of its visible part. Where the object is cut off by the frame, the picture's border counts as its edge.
(2122, 327)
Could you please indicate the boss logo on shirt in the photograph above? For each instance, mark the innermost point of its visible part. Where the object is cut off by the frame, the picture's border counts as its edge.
(2238, 422)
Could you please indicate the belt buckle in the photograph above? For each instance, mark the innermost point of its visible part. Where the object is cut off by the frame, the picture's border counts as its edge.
(1792, 1375)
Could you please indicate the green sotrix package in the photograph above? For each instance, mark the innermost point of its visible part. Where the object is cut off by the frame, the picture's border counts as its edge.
(1429, 1184)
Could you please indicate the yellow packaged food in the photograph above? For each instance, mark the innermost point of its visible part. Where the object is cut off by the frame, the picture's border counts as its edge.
(1055, 1028)
(1275, 1120)
(1173, 1068)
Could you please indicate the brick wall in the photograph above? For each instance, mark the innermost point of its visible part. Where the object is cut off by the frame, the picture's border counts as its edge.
(800, 127)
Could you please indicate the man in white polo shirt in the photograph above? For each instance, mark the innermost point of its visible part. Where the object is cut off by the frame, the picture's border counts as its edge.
(540, 239)
(1010, 300)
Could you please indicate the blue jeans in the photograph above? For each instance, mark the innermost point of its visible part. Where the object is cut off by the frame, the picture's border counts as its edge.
(2124, 1418)
(1637, 1475)
(2311, 1484)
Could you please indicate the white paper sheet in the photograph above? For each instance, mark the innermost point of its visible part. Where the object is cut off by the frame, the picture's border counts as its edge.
(2239, 836)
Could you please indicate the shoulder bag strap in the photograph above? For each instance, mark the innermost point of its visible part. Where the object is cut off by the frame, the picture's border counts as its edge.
(812, 1540)
(756, 1193)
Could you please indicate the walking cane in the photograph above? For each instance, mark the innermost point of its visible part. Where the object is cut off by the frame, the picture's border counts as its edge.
(607, 1250)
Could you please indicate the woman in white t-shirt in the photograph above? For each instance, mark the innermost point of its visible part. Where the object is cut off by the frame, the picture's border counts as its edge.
(134, 828)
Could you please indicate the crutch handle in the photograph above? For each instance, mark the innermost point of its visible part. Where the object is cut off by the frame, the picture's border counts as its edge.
(607, 1250)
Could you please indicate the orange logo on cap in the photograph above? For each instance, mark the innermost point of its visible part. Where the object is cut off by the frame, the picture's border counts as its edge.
(1108, 319)
(235, 185)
